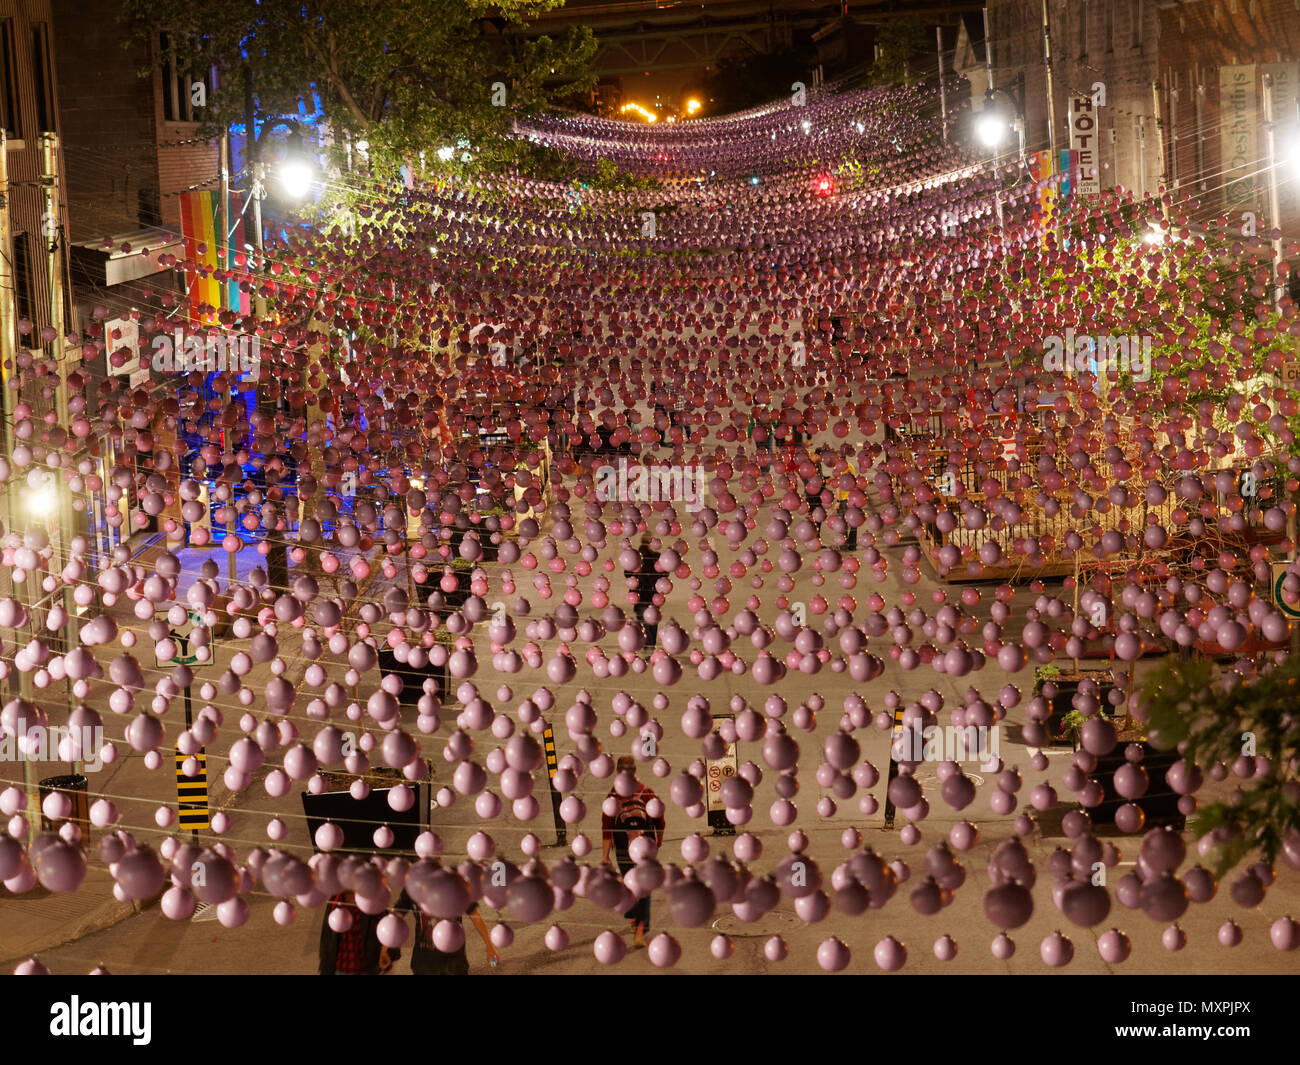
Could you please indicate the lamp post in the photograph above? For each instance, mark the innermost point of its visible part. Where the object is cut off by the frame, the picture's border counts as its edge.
(1271, 126)
(992, 122)
(296, 175)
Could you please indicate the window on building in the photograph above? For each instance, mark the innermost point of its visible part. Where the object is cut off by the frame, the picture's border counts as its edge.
(23, 258)
(1110, 25)
(1082, 16)
(8, 79)
(1135, 19)
(43, 73)
(178, 86)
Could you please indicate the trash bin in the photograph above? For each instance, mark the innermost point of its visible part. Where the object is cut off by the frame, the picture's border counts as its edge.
(74, 787)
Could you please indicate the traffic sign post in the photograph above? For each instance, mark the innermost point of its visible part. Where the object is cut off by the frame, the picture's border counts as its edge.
(192, 794)
(893, 766)
(561, 832)
(716, 771)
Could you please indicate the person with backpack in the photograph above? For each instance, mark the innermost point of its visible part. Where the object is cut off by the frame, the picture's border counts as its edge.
(617, 832)
(426, 958)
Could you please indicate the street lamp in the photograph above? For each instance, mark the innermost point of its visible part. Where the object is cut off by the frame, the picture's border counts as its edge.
(990, 126)
(992, 122)
(296, 178)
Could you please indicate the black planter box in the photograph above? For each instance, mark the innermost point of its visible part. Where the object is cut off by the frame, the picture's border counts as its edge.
(1159, 803)
(412, 678)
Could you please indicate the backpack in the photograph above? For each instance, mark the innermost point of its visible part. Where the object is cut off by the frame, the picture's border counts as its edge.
(632, 817)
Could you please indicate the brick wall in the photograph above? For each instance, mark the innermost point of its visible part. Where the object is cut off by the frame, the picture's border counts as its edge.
(119, 177)
(1110, 41)
(106, 113)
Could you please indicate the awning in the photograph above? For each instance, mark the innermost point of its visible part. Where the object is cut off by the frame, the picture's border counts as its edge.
(129, 256)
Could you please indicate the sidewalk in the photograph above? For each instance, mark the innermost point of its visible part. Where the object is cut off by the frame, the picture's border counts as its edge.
(39, 921)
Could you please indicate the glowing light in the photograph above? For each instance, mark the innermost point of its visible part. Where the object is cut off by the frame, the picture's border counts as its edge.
(644, 112)
(693, 105)
(990, 127)
(825, 185)
(296, 177)
(41, 499)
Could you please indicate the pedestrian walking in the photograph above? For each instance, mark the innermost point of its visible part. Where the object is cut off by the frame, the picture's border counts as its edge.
(426, 958)
(631, 821)
(355, 951)
(646, 579)
(851, 543)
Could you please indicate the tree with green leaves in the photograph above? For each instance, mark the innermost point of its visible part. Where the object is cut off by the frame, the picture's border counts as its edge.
(897, 41)
(404, 78)
(1223, 723)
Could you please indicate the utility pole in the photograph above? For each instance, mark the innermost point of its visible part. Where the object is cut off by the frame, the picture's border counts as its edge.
(943, 93)
(1051, 100)
(9, 373)
(54, 264)
(988, 51)
(1274, 204)
(227, 227)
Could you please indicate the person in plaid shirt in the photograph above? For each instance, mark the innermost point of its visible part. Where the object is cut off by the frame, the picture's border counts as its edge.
(356, 951)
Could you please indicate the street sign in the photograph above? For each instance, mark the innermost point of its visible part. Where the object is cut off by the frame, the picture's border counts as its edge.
(548, 739)
(561, 831)
(716, 772)
(1280, 570)
(192, 793)
(893, 765)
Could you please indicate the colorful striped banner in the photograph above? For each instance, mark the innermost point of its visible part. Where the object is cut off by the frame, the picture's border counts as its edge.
(200, 227)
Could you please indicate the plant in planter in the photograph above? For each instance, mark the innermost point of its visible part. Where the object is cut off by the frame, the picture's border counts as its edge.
(1072, 722)
(1044, 674)
(1045, 684)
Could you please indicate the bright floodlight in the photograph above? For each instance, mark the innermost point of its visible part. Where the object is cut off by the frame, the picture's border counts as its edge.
(693, 105)
(296, 178)
(990, 127)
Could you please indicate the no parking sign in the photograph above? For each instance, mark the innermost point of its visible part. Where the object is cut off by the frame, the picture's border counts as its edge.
(717, 770)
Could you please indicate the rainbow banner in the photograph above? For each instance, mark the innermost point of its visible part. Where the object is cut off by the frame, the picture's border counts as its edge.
(1068, 166)
(1041, 170)
(200, 229)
